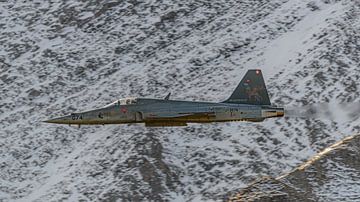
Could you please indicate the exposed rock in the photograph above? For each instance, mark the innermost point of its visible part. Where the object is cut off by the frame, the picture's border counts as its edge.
(337, 165)
(34, 93)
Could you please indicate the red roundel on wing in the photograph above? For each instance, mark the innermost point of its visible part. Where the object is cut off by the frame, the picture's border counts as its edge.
(124, 110)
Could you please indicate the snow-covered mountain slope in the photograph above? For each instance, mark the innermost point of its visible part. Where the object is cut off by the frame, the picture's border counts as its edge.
(57, 57)
(332, 173)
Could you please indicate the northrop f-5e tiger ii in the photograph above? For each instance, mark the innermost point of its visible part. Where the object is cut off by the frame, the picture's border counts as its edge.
(249, 102)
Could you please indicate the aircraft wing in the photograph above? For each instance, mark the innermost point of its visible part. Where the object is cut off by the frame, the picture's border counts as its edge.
(165, 115)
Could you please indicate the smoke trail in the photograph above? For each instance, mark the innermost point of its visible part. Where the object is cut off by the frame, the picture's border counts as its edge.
(331, 111)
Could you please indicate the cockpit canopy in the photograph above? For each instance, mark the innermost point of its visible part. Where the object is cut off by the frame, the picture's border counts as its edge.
(123, 101)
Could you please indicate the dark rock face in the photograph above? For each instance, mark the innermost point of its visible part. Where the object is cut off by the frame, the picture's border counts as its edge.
(146, 160)
(154, 172)
(269, 189)
(312, 180)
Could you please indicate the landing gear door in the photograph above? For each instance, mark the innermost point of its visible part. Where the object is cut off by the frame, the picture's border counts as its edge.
(138, 117)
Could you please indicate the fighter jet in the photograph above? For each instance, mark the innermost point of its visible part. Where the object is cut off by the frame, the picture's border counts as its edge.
(249, 102)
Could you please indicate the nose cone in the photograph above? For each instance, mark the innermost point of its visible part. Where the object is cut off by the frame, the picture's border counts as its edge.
(60, 120)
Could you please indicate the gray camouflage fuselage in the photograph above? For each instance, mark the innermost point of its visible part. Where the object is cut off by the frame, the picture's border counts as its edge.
(165, 112)
(156, 112)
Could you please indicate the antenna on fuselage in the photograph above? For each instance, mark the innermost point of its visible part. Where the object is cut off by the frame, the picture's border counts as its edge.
(167, 97)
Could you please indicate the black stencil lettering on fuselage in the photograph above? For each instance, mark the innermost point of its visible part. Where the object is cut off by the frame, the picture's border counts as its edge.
(76, 116)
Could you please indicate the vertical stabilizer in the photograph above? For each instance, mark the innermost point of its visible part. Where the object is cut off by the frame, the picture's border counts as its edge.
(251, 90)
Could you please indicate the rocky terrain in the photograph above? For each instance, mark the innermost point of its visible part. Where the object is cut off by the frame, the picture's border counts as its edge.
(332, 173)
(57, 57)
